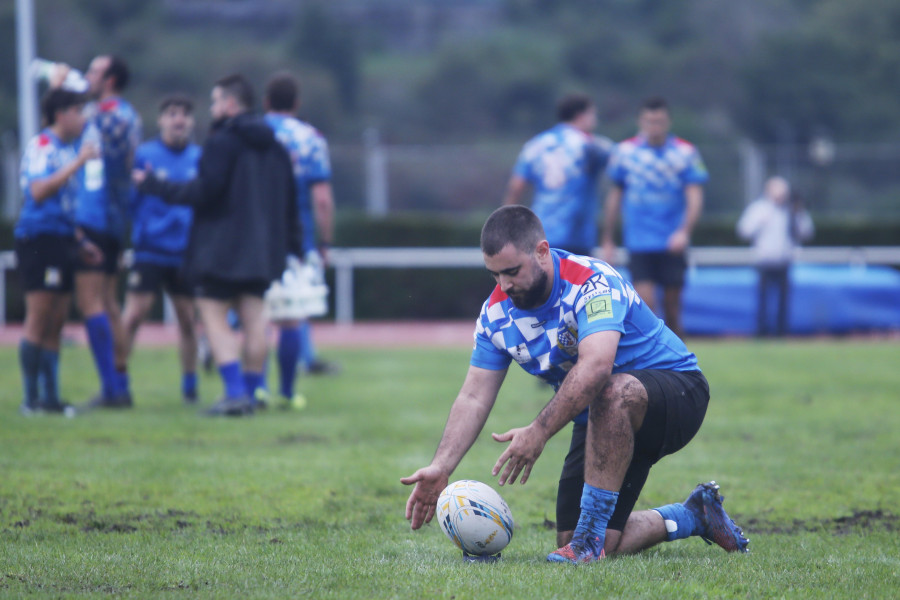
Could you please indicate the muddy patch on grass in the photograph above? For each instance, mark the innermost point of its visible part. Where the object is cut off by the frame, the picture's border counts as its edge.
(857, 522)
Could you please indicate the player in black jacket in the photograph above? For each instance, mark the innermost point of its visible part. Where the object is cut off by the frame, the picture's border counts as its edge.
(245, 225)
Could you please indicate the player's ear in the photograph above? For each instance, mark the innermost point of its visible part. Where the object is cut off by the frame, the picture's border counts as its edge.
(543, 249)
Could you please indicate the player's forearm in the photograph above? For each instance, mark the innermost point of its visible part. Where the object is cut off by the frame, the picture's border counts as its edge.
(694, 201)
(41, 189)
(323, 209)
(580, 387)
(611, 213)
(467, 418)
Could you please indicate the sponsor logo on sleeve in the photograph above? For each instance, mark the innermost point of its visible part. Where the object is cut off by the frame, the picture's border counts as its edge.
(599, 307)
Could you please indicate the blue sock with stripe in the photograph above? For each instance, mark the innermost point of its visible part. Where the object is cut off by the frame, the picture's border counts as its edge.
(679, 521)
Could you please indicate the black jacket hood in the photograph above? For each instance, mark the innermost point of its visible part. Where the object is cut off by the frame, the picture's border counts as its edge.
(250, 127)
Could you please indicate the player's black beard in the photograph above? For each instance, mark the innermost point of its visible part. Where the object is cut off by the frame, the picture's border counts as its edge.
(533, 297)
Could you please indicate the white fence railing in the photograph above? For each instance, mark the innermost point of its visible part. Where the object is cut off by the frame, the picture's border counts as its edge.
(346, 260)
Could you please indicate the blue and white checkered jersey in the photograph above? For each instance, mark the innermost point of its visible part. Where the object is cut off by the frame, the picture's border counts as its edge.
(309, 157)
(588, 296)
(116, 127)
(562, 164)
(44, 155)
(653, 179)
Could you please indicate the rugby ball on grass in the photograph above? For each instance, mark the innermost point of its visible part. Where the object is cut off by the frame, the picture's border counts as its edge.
(475, 517)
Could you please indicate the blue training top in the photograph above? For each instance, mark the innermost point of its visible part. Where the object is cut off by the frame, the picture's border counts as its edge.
(588, 296)
(309, 156)
(45, 155)
(160, 231)
(562, 165)
(653, 179)
(115, 127)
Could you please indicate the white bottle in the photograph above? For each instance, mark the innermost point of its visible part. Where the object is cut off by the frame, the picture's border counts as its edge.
(45, 70)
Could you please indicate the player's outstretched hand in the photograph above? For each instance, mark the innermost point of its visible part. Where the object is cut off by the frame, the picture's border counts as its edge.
(526, 445)
(430, 481)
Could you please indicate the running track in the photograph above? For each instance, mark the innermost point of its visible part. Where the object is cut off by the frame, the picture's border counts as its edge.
(375, 334)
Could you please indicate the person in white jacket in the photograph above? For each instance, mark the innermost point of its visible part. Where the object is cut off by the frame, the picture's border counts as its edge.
(776, 224)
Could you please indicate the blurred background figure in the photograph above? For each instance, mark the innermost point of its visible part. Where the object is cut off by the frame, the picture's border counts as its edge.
(159, 237)
(308, 150)
(775, 224)
(101, 216)
(562, 165)
(46, 244)
(657, 185)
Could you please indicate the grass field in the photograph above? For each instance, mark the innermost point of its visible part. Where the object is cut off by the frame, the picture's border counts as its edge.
(160, 502)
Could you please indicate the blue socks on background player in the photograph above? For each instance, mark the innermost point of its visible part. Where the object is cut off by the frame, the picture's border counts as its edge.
(252, 382)
(30, 362)
(49, 377)
(232, 379)
(679, 520)
(307, 353)
(100, 337)
(289, 340)
(189, 385)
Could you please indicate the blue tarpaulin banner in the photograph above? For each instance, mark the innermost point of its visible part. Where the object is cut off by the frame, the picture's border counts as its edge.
(825, 299)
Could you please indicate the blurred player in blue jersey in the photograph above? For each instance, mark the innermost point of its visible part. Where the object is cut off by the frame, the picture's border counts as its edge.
(657, 184)
(100, 215)
(47, 246)
(632, 388)
(562, 166)
(159, 235)
(315, 206)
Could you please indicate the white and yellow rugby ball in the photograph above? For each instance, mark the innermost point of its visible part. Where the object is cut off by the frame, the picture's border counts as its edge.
(475, 517)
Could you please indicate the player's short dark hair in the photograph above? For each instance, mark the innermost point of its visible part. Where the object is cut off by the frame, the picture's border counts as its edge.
(655, 103)
(572, 105)
(57, 99)
(181, 100)
(118, 70)
(282, 92)
(237, 86)
(514, 224)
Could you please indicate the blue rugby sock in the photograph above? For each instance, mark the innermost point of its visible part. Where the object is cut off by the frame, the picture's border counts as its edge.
(288, 355)
(232, 379)
(597, 506)
(679, 521)
(189, 385)
(252, 382)
(123, 382)
(50, 376)
(101, 342)
(30, 362)
(307, 352)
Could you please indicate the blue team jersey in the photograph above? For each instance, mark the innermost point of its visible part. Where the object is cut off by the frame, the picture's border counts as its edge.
(653, 179)
(562, 165)
(160, 231)
(45, 155)
(116, 128)
(588, 296)
(309, 157)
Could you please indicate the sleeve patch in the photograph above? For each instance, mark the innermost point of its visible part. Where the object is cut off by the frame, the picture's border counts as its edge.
(599, 307)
